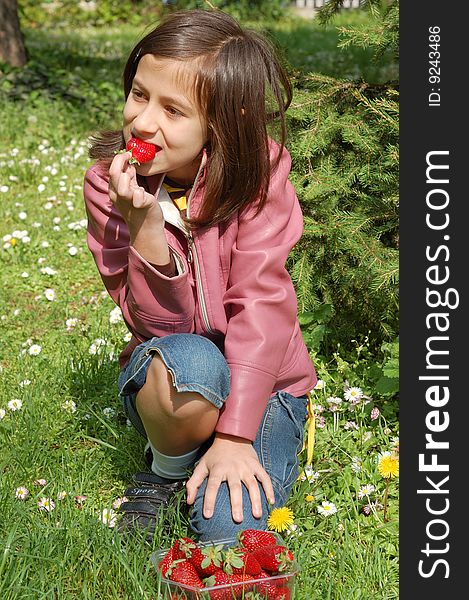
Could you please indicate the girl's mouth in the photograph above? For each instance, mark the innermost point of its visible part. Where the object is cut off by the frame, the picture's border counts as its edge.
(142, 152)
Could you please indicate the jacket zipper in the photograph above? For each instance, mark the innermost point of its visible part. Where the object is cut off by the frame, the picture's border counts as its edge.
(193, 257)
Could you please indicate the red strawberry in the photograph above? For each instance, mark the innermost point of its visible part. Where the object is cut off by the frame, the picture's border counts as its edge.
(166, 561)
(255, 538)
(181, 546)
(282, 593)
(240, 560)
(266, 588)
(142, 152)
(182, 571)
(273, 558)
(206, 560)
(219, 578)
(242, 581)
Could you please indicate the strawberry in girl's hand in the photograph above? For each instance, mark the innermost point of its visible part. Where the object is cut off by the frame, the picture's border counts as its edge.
(255, 538)
(182, 571)
(274, 559)
(142, 152)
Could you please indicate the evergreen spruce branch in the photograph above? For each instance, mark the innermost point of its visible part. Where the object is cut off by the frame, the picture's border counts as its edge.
(377, 109)
(333, 7)
(362, 37)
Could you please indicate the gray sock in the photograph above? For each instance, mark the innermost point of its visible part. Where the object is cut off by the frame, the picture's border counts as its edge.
(172, 467)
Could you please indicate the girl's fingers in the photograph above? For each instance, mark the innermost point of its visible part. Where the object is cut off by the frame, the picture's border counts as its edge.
(266, 483)
(123, 187)
(255, 496)
(210, 497)
(121, 175)
(118, 166)
(138, 198)
(195, 481)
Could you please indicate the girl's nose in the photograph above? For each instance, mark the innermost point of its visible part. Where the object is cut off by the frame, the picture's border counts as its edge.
(146, 123)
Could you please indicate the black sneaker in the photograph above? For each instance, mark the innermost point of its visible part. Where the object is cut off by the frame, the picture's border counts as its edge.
(142, 507)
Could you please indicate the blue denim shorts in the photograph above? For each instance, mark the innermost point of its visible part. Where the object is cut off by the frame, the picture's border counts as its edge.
(195, 363)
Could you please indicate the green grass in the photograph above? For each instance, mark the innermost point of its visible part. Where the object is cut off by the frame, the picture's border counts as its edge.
(70, 88)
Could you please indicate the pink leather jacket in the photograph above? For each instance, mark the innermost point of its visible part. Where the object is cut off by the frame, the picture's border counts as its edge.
(232, 287)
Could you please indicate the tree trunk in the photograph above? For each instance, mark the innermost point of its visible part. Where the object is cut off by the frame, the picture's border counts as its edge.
(12, 50)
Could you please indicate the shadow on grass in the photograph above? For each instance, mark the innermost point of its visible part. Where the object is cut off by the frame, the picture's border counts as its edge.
(92, 383)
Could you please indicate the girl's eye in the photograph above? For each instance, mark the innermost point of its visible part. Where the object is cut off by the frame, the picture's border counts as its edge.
(137, 94)
(173, 111)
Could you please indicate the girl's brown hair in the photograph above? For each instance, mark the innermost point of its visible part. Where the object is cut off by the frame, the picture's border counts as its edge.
(242, 89)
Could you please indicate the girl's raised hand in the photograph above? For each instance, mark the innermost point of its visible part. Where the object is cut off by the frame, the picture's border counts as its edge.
(129, 197)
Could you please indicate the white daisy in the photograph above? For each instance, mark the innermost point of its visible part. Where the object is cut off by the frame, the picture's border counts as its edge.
(70, 406)
(115, 315)
(327, 508)
(71, 323)
(118, 501)
(353, 394)
(365, 490)
(21, 492)
(50, 294)
(15, 404)
(97, 345)
(309, 474)
(46, 504)
(108, 517)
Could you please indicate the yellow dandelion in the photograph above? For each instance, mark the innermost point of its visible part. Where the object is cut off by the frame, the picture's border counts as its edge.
(309, 497)
(388, 465)
(280, 519)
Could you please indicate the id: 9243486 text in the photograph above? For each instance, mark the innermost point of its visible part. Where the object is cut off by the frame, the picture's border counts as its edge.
(434, 71)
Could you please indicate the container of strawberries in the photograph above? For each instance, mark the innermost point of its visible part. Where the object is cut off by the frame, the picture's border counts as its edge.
(257, 565)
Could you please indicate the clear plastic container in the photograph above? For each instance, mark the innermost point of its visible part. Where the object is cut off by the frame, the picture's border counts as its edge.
(278, 587)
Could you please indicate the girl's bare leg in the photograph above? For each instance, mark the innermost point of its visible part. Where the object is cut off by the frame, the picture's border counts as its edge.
(175, 422)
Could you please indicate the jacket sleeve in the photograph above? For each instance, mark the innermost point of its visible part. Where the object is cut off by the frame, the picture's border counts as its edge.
(151, 303)
(262, 305)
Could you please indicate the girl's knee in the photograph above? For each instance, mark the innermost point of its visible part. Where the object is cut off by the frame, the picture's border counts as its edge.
(160, 397)
(221, 525)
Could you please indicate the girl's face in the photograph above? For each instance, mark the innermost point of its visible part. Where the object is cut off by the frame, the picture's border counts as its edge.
(160, 109)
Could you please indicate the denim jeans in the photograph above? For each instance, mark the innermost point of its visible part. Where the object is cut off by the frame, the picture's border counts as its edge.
(196, 364)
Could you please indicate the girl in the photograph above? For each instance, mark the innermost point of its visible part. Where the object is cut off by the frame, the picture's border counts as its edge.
(192, 245)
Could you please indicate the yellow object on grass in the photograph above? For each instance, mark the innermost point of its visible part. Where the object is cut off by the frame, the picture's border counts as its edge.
(310, 431)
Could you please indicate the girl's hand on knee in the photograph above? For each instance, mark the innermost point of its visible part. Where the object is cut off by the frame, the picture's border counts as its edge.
(234, 460)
